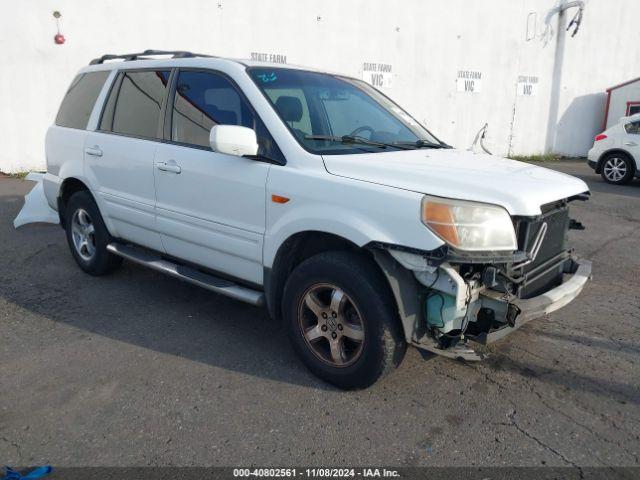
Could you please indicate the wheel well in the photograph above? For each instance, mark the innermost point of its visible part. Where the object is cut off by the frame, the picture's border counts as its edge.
(67, 189)
(616, 151)
(294, 251)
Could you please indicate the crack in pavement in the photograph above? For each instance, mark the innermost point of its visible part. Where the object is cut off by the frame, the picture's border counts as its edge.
(543, 400)
(585, 427)
(511, 416)
(610, 241)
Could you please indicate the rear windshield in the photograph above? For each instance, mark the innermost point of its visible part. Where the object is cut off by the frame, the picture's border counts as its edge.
(81, 96)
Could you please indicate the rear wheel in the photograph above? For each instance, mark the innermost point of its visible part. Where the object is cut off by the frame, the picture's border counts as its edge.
(87, 235)
(617, 168)
(342, 319)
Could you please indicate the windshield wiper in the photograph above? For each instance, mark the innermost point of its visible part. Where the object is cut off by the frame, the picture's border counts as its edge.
(425, 144)
(357, 140)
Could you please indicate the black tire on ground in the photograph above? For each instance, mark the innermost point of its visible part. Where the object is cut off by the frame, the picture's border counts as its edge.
(368, 295)
(97, 261)
(617, 168)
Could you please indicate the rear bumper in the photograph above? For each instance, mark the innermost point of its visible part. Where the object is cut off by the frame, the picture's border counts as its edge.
(36, 208)
(547, 302)
(592, 158)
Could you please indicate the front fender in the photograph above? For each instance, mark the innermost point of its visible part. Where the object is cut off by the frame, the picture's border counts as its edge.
(357, 230)
(357, 211)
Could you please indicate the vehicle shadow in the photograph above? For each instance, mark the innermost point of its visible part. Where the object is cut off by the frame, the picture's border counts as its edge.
(579, 123)
(141, 307)
(621, 392)
(159, 313)
(600, 343)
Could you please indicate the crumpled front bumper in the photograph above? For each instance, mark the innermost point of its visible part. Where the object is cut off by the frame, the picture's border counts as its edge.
(546, 303)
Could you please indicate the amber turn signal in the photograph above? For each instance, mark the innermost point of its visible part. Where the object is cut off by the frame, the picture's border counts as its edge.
(279, 199)
(439, 218)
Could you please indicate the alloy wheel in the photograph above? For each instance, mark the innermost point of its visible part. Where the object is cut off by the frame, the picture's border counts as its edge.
(83, 234)
(331, 325)
(615, 169)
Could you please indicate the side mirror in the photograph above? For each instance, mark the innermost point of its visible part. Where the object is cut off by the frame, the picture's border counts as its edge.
(233, 140)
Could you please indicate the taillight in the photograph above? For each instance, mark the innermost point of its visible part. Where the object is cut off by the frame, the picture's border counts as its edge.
(601, 136)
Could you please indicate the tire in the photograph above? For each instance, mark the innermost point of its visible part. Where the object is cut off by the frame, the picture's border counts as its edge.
(617, 168)
(87, 236)
(363, 341)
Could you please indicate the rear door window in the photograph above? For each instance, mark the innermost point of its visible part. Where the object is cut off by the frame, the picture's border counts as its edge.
(135, 104)
(80, 99)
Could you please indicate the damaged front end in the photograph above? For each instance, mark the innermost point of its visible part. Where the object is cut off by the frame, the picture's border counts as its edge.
(483, 296)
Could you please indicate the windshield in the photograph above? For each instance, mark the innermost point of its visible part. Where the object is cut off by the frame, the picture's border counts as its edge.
(329, 114)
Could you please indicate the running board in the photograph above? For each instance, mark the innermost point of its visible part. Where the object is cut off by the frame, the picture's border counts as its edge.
(188, 274)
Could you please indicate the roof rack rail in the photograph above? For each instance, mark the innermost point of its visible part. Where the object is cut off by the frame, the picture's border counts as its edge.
(147, 53)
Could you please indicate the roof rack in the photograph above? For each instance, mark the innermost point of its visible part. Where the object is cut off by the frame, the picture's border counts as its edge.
(147, 53)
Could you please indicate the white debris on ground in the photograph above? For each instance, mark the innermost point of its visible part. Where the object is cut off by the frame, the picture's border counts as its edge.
(36, 209)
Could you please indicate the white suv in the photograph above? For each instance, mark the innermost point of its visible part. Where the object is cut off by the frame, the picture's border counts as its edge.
(616, 151)
(315, 195)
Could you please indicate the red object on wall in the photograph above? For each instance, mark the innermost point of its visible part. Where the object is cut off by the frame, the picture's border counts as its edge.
(58, 38)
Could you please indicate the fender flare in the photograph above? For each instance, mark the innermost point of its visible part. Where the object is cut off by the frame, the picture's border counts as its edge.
(604, 154)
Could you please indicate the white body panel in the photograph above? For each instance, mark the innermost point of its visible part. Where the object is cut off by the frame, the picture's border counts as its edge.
(65, 151)
(520, 188)
(359, 211)
(124, 186)
(212, 212)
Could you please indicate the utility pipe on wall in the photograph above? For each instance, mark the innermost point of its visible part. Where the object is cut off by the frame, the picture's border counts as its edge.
(558, 60)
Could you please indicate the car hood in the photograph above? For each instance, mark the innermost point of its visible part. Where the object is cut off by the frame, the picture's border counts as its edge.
(519, 187)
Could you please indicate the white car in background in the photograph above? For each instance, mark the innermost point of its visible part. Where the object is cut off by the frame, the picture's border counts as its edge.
(616, 151)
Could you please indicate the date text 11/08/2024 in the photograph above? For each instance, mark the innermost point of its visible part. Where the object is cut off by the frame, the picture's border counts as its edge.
(316, 472)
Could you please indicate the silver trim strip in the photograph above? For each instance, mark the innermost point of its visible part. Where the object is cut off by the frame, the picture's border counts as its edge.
(188, 274)
(535, 249)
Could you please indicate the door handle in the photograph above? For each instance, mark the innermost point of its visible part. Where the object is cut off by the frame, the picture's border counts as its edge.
(170, 166)
(631, 144)
(93, 151)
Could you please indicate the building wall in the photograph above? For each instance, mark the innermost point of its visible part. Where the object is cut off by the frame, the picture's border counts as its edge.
(618, 103)
(426, 43)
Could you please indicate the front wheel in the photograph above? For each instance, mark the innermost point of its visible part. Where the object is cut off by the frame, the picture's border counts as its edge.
(342, 319)
(618, 169)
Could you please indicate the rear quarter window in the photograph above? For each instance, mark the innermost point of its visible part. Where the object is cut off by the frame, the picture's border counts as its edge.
(80, 99)
(633, 128)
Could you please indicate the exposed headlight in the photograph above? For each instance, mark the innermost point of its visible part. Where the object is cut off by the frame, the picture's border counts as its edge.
(469, 225)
